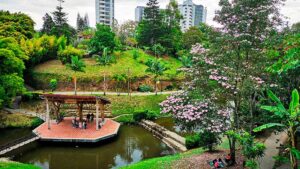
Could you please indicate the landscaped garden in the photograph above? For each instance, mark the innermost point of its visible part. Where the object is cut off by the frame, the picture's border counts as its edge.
(148, 94)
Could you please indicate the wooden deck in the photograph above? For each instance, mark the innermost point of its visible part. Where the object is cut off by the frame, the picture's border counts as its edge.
(64, 132)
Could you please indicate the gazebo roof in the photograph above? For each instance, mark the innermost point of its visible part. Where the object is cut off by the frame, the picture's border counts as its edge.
(75, 99)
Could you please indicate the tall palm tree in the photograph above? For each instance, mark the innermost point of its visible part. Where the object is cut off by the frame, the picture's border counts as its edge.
(156, 68)
(77, 65)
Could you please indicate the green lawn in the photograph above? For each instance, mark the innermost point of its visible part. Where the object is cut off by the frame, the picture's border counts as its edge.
(54, 68)
(17, 120)
(15, 165)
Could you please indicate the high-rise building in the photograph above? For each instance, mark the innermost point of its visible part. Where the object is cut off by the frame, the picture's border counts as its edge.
(139, 13)
(192, 14)
(105, 12)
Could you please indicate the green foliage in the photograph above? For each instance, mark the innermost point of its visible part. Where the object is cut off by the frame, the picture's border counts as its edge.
(121, 80)
(192, 36)
(16, 25)
(192, 141)
(156, 67)
(145, 88)
(36, 122)
(53, 84)
(251, 164)
(103, 38)
(66, 54)
(186, 61)
(127, 119)
(209, 140)
(76, 64)
(144, 115)
(11, 70)
(105, 59)
(16, 165)
(136, 54)
(30, 96)
(158, 50)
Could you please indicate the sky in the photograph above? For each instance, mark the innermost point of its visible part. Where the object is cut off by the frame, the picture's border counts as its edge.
(124, 9)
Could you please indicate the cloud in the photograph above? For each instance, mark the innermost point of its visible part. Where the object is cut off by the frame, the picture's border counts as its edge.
(124, 9)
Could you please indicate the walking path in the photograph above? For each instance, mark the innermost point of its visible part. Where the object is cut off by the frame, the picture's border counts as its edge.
(272, 144)
(114, 93)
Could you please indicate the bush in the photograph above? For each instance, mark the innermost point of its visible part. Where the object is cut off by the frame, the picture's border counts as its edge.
(53, 84)
(36, 122)
(136, 54)
(65, 55)
(144, 115)
(126, 119)
(169, 87)
(105, 59)
(192, 141)
(145, 88)
(29, 96)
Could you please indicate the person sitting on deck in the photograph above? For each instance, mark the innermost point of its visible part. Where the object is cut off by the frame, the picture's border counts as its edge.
(92, 117)
(88, 117)
(84, 124)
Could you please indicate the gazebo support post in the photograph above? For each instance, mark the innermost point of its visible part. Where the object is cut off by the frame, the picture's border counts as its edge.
(48, 114)
(97, 114)
(80, 111)
(102, 112)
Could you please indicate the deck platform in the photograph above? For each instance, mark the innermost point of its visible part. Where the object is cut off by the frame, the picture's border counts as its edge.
(64, 132)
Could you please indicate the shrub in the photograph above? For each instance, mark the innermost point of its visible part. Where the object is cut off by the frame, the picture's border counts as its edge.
(145, 88)
(36, 122)
(192, 141)
(53, 84)
(136, 54)
(29, 96)
(105, 59)
(65, 55)
(169, 87)
(158, 49)
(126, 119)
(144, 115)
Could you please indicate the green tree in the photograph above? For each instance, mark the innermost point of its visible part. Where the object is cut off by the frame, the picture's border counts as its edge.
(191, 37)
(48, 24)
(16, 25)
(156, 68)
(103, 38)
(11, 70)
(290, 122)
(77, 65)
(53, 84)
(60, 17)
(158, 50)
(150, 29)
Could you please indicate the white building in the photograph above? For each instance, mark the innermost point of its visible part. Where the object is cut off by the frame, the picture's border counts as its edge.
(105, 12)
(192, 14)
(139, 13)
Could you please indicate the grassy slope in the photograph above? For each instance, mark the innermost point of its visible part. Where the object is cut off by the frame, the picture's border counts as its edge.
(54, 69)
(125, 105)
(15, 165)
(166, 161)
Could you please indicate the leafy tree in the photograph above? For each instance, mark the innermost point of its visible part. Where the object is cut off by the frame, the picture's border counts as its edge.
(158, 50)
(60, 17)
(103, 38)
(16, 25)
(82, 23)
(191, 37)
(48, 24)
(77, 65)
(290, 122)
(150, 28)
(11, 70)
(121, 80)
(157, 69)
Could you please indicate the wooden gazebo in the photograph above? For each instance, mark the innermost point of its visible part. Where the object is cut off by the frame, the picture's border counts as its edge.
(59, 100)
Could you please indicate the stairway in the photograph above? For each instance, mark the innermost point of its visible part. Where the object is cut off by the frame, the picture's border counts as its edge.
(170, 138)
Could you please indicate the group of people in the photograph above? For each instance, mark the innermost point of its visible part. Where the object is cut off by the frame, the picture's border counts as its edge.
(218, 163)
(83, 124)
(90, 117)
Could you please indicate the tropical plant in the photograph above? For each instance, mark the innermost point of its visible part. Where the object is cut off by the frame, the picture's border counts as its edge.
(77, 65)
(136, 54)
(186, 61)
(158, 50)
(290, 122)
(105, 59)
(65, 56)
(157, 69)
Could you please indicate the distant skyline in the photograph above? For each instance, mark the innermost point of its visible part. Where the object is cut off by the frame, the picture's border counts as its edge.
(124, 9)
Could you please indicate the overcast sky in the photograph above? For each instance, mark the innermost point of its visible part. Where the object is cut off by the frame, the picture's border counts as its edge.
(124, 9)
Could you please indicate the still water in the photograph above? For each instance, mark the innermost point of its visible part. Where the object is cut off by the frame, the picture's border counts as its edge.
(133, 144)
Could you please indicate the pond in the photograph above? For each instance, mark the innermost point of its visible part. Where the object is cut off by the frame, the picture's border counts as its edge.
(132, 145)
(8, 135)
(169, 123)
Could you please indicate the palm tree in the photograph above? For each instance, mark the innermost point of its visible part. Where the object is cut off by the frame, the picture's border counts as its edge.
(77, 65)
(157, 69)
(290, 121)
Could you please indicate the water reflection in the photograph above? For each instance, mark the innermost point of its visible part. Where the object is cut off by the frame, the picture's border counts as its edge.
(132, 145)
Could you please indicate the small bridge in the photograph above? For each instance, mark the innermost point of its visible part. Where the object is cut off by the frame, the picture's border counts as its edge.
(170, 138)
(18, 143)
